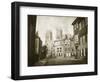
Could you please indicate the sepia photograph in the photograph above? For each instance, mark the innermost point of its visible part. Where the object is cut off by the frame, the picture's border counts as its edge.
(57, 40)
(53, 40)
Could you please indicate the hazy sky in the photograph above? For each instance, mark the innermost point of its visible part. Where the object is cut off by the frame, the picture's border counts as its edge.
(51, 23)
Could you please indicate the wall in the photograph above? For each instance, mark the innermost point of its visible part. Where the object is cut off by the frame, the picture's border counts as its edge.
(5, 40)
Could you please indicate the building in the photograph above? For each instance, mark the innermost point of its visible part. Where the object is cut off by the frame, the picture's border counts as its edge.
(49, 42)
(67, 46)
(59, 48)
(58, 44)
(59, 34)
(64, 46)
(38, 46)
(32, 58)
(80, 26)
(72, 46)
(48, 36)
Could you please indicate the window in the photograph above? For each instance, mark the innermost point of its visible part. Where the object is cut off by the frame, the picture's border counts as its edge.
(77, 25)
(75, 28)
(84, 52)
(59, 54)
(83, 39)
(80, 26)
(60, 49)
(80, 40)
(76, 38)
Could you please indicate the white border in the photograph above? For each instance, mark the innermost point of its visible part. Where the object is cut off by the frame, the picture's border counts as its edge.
(24, 70)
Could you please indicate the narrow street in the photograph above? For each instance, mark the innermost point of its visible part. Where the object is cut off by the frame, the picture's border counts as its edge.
(59, 61)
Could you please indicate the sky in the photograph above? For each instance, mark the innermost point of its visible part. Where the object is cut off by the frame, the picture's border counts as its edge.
(51, 23)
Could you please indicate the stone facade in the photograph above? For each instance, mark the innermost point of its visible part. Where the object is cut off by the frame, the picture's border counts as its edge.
(62, 46)
(80, 26)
